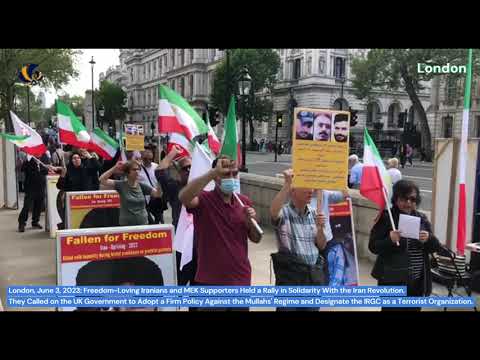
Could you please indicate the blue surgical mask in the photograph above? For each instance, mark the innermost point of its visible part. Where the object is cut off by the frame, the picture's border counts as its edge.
(227, 185)
(237, 186)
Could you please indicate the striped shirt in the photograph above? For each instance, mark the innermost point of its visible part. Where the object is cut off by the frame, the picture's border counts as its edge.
(296, 233)
(415, 256)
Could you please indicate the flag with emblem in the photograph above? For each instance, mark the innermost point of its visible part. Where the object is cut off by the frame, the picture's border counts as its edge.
(26, 138)
(102, 144)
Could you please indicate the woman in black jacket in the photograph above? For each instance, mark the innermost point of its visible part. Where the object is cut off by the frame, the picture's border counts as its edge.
(77, 176)
(403, 261)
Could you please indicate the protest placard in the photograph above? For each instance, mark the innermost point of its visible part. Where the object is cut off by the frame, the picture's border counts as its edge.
(320, 148)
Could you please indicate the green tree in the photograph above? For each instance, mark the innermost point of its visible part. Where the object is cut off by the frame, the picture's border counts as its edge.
(20, 106)
(57, 66)
(75, 102)
(112, 99)
(263, 66)
(393, 69)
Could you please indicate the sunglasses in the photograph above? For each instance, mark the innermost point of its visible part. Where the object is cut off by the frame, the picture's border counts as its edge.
(412, 199)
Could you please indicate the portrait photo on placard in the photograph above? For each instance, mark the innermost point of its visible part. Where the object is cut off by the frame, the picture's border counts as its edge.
(304, 125)
(322, 126)
(340, 128)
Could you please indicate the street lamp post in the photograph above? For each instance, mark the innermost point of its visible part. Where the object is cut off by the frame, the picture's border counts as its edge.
(244, 85)
(92, 62)
(28, 105)
(101, 113)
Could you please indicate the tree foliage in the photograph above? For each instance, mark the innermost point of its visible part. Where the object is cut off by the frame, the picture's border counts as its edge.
(394, 69)
(112, 99)
(57, 66)
(263, 66)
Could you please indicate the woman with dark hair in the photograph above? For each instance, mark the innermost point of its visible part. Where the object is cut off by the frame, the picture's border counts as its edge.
(403, 261)
(133, 210)
(79, 175)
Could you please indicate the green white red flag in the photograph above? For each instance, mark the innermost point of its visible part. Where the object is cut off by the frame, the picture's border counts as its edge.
(70, 128)
(175, 115)
(462, 194)
(26, 138)
(375, 177)
(103, 144)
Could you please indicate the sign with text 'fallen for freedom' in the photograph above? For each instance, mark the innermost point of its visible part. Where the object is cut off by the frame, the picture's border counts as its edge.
(320, 148)
(116, 256)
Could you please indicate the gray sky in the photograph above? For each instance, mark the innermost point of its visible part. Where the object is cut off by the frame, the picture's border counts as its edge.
(104, 58)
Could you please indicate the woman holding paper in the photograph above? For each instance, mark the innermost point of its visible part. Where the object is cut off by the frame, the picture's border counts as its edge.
(403, 260)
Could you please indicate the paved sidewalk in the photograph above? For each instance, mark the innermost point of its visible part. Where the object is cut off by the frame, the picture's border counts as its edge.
(29, 259)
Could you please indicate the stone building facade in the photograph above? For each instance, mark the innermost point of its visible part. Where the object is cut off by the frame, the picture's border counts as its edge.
(311, 77)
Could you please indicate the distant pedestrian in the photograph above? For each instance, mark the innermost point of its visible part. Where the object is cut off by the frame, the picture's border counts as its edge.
(409, 154)
(395, 174)
(403, 155)
(423, 155)
(356, 171)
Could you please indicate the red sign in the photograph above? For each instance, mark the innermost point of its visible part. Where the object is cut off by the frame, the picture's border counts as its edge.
(115, 245)
(340, 209)
(97, 201)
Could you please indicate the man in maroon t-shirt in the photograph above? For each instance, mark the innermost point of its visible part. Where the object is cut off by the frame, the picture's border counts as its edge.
(222, 227)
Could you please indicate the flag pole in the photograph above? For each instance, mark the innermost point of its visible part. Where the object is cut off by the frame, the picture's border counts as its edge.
(389, 211)
(462, 201)
(254, 222)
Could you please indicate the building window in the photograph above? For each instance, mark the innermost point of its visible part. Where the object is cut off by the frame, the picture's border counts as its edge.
(191, 56)
(173, 85)
(160, 68)
(165, 63)
(450, 90)
(182, 87)
(393, 112)
(309, 65)
(477, 131)
(191, 85)
(155, 68)
(321, 65)
(172, 56)
(297, 69)
(373, 113)
(182, 57)
(447, 126)
(131, 74)
(280, 71)
(339, 67)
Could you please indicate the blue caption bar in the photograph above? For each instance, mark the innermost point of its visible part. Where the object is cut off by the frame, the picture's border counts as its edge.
(205, 291)
(165, 302)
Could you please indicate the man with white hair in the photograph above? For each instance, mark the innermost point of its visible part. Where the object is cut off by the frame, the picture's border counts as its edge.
(395, 174)
(356, 170)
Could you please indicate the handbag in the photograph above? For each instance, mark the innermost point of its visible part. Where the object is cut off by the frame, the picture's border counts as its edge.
(453, 265)
(289, 270)
(151, 219)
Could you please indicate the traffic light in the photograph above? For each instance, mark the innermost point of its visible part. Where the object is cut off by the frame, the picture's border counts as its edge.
(213, 115)
(279, 119)
(353, 117)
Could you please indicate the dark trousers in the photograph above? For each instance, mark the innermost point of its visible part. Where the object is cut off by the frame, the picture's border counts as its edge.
(414, 289)
(31, 202)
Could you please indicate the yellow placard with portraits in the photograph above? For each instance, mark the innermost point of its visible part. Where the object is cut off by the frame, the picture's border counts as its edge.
(135, 142)
(320, 148)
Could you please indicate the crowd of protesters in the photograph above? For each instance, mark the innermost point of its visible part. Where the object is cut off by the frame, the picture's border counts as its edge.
(224, 222)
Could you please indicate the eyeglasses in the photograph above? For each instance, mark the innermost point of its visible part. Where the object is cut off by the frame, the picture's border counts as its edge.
(412, 199)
